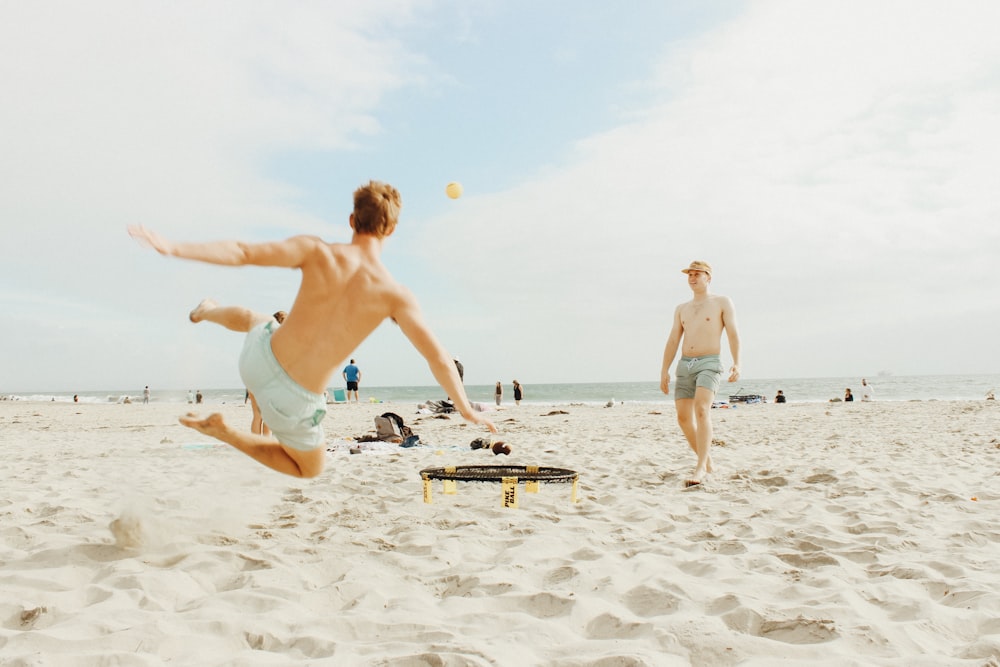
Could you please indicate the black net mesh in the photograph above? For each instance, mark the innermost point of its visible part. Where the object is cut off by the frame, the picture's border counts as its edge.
(497, 473)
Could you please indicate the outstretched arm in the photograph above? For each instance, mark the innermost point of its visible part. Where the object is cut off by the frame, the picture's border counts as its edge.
(411, 322)
(289, 253)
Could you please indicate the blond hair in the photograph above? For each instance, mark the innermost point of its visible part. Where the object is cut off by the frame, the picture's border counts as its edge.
(376, 209)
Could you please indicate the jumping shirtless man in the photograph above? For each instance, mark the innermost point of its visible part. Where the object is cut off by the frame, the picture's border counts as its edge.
(345, 293)
(698, 323)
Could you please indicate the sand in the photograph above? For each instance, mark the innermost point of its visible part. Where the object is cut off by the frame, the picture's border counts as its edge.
(838, 534)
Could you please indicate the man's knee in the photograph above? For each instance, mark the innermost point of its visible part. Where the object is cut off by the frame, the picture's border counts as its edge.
(703, 399)
(685, 410)
(310, 463)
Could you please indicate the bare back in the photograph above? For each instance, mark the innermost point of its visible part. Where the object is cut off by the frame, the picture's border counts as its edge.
(702, 322)
(345, 294)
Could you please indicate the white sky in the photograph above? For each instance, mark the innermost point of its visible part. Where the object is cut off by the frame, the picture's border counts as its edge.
(835, 162)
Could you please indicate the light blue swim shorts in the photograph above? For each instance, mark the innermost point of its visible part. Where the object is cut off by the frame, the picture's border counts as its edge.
(293, 414)
(693, 372)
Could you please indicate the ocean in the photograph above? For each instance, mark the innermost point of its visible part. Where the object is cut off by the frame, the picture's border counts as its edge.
(810, 390)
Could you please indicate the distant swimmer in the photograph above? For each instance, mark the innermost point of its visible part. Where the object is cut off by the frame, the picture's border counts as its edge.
(345, 293)
(697, 332)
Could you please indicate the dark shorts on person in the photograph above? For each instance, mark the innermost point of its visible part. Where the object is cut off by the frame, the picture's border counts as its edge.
(352, 386)
(694, 372)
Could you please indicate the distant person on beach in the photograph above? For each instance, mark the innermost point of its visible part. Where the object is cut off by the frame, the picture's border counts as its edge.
(345, 293)
(990, 396)
(190, 396)
(498, 393)
(352, 376)
(780, 398)
(697, 331)
(145, 395)
(518, 393)
(867, 391)
(198, 397)
(848, 396)
(76, 398)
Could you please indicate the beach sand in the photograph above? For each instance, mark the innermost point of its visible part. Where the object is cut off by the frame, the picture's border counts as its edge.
(831, 534)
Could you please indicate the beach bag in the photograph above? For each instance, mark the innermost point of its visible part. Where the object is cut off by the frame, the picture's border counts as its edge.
(389, 427)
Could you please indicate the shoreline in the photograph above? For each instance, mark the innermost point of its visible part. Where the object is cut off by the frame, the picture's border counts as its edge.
(487, 406)
(801, 390)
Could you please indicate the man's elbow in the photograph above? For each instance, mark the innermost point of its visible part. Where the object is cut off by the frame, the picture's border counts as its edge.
(242, 254)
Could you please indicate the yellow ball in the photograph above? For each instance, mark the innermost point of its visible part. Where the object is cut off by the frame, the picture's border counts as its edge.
(453, 190)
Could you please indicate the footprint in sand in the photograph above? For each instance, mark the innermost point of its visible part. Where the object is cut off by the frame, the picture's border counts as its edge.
(811, 560)
(799, 630)
(560, 575)
(609, 626)
(545, 605)
(646, 601)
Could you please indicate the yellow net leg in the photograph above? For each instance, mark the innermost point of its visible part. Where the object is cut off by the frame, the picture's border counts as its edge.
(531, 485)
(509, 494)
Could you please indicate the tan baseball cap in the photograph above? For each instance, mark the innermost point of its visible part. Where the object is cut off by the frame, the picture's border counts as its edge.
(698, 265)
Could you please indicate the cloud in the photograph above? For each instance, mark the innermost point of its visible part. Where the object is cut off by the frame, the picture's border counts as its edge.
(164, 113)
(830, 160)
(833, 161)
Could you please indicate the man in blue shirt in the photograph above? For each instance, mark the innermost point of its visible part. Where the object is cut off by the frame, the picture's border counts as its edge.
(352, 374)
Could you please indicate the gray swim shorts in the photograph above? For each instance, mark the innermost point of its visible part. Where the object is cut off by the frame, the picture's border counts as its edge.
(693, 372)
(293, 414)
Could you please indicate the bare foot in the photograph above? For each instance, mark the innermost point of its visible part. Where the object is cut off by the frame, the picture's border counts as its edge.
(212, 425)
(196, 315)
(696, 478)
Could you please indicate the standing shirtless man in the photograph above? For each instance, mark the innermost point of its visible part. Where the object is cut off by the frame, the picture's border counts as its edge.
(345, 293)
(699, 323)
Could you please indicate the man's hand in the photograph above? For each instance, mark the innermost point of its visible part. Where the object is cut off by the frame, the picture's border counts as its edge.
(150, 239)
(665, 383)
(734, 373)
(478, 418)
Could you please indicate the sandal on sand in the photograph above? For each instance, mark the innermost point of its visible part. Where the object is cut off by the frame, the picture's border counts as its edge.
(691, 482)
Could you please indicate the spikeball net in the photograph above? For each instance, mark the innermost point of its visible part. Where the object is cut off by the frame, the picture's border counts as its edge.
(508, 476)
